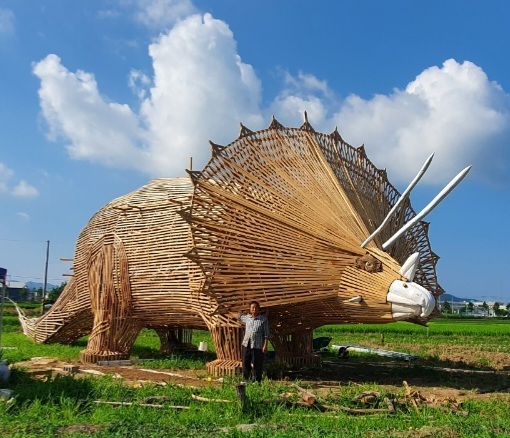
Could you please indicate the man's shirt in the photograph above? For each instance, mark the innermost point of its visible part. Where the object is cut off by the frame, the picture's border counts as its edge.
(257, 329)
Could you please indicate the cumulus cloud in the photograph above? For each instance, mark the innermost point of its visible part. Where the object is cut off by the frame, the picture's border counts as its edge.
(7, 26)
(453, 110)
(201, 90)
(21, 189)
(95, 129)
(161, 14)
(24, 190)
(301, 93)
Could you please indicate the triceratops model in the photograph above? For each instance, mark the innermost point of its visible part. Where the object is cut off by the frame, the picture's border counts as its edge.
(298, 220)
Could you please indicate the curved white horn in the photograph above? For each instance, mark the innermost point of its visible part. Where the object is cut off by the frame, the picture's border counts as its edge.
(402, 198)
(432, 204)
(410, 266)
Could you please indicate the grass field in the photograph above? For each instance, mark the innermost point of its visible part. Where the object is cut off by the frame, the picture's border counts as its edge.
(462, 377)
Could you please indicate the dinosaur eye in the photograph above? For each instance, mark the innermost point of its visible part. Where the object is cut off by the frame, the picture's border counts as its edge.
(368, 263)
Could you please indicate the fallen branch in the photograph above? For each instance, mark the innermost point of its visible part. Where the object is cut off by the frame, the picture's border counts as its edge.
(204, 399)
(149, 405)
(356, 411)
(94, 372)
(169, 374)
(307, 396)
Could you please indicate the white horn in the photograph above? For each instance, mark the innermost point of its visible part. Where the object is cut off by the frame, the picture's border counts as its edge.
(410, 266)
(402, 198)
(451, 185)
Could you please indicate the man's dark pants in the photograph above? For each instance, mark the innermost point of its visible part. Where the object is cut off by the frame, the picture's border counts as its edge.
(256, 356)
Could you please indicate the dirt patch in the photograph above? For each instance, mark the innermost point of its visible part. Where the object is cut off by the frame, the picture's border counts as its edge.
(397, 377)
(131, 374)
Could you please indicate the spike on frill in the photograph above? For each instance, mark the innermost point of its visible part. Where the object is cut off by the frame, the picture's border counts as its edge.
(425, 226)
(244, 131)
(383, 173)
(275, 124)
(435, 258)
(440, 291)
(185, 213)
(306, 125)
(335, 135)
(194, 175)
(216, 149)
(361, 151)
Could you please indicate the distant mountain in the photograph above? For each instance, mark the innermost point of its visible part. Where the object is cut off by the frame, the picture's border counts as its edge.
(452, 298)
(32, 285)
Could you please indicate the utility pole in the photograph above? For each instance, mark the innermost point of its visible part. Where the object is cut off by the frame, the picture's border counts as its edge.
(3, 279)
(45, 276)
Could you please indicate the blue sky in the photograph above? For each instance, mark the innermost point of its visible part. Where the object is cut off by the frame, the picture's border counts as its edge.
(99, 97)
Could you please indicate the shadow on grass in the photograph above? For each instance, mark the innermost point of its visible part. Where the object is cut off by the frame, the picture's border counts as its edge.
(385, 371)
(51, 389)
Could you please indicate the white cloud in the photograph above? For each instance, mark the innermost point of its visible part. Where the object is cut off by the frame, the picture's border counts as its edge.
(299, 94)
(162, 14)
(25, 217)
(22, 189)
(5, 175)
(139, 82)
(454, 111)
(98, 130)
(7, 19)
(201, 90)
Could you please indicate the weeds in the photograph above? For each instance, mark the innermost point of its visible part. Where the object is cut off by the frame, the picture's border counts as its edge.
(65, 405)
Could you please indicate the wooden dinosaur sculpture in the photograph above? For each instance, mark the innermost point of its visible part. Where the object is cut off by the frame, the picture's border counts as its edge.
(298, 220)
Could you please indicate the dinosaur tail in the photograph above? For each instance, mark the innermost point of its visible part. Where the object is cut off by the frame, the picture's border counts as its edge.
(67, 320)
(28, 325)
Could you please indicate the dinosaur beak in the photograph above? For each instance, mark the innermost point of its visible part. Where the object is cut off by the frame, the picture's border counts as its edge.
(410, 300)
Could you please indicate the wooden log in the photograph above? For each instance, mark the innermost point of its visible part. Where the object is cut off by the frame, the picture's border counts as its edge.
(241, 395)
(307, 396)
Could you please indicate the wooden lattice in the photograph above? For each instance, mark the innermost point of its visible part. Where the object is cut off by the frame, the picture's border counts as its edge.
(277, 216)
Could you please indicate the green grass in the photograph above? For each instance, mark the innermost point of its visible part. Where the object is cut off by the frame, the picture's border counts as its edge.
(65, 405)
(60, 404)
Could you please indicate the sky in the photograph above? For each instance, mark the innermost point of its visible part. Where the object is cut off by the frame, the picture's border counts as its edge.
(99, 97)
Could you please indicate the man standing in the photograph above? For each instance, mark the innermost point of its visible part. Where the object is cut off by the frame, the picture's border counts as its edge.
(254, 342)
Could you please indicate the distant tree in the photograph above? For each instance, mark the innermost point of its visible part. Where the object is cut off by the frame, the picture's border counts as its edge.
(447, 308)
(470, 307)
(499, 310)
(56, 291)
(508, 306)
(485, 306)
(23, 294)
(495, 308)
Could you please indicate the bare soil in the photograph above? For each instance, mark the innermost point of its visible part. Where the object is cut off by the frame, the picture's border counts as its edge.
(454, 378)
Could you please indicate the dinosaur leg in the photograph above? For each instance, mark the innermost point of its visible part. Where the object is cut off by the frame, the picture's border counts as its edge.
(114, 330)
(295, 349)
(227, 342)
(175, 339)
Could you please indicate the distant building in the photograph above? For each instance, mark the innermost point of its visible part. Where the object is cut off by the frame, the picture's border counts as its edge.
(16, 290)
(461, 307)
